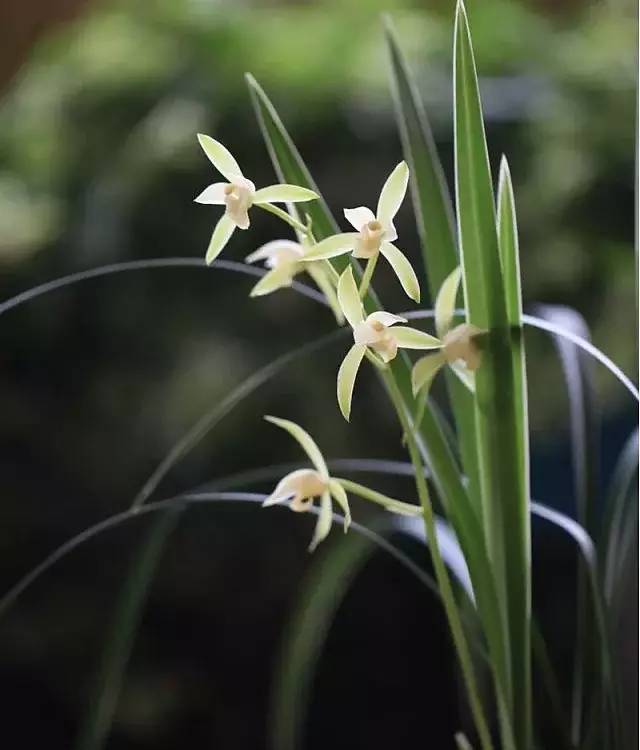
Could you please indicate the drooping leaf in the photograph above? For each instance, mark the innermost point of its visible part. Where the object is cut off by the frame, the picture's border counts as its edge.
(120, 637)
(620, 523)
(577, 371)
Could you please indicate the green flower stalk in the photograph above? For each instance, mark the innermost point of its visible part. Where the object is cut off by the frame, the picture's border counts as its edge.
(374, 236)
(238, 195)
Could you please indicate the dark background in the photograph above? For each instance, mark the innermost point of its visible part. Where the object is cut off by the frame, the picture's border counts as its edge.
(98, 164)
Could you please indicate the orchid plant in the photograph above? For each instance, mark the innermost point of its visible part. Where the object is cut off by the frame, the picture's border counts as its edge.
(472, 477)
(488, 509)
(484, 491)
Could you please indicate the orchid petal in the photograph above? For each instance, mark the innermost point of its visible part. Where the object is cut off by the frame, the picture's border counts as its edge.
(277, 278)
(221, 235)
(220, 157)
(284, 194)
(347, 377)
(390, 233)
(358, 217)
(269, 249)
(386, 318)
(465, 375)
(402, 269)
(412, 338)
(392, 194)
(323, 282)
(285, 489)
(389, 353)
(333, 246)
(213, 194)
(340, 496)
(323, 525)
(306, 443)
(349, 298)
(425, 370)
(446, 301)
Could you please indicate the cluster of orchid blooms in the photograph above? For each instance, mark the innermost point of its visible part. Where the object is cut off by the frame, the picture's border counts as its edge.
(376, 336)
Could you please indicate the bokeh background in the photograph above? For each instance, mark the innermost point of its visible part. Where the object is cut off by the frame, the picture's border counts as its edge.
(100, 103)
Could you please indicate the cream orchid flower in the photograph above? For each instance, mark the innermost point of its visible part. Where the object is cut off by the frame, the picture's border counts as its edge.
(458, 345)
(301, 487)
(375, 234)
(285, 259)
(238, 194)
(377, 332)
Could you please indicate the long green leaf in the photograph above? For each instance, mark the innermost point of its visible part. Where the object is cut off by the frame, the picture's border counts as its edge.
(499, 401)
(516, 511)
(435, 221)
(119, 640)
(577, 371)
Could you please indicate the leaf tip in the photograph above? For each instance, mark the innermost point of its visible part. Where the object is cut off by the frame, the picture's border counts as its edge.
(505, 172)
(387, 23)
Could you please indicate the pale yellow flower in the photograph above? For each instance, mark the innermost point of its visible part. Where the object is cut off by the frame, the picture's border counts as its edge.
(458, 345)
(285, 259)
(302, 487)
(377, 332)
(375, 233)
(238, 194)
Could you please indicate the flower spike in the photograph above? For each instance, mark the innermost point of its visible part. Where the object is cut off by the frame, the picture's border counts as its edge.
(238, 194)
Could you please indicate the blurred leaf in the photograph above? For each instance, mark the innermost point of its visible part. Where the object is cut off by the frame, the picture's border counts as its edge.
(620, 525)
(603, 725)
(323, 592)
(577, 370)
(120, 637)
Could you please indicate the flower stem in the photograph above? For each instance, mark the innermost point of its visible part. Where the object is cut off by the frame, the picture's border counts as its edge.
(442, 576)
(284, 216)
(396, 506)
(368, 274)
